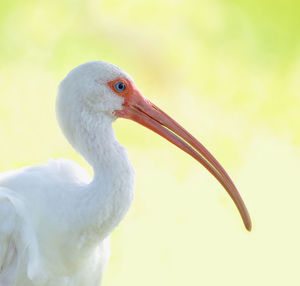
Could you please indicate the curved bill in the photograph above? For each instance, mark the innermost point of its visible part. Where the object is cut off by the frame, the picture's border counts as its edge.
(139, 109)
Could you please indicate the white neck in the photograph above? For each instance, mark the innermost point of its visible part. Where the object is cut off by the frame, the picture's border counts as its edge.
(105, 201)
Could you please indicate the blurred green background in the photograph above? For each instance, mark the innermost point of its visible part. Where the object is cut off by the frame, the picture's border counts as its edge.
(228, 71)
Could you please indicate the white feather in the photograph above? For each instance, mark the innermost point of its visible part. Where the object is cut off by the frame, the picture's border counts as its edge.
(55, 220)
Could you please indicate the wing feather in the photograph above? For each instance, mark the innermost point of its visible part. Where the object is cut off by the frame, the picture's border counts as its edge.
(8, 253)
(19, 252)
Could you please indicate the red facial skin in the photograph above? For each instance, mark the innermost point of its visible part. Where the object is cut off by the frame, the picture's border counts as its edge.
(141, 110)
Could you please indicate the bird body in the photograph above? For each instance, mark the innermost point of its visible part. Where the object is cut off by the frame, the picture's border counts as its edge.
(53, 237)
(55, 220)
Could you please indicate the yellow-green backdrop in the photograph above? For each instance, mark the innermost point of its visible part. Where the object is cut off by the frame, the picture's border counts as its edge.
(229, 71)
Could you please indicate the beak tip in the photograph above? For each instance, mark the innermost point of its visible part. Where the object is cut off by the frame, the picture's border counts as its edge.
(248, 225)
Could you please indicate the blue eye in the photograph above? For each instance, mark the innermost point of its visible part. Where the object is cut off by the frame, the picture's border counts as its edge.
(120, 86)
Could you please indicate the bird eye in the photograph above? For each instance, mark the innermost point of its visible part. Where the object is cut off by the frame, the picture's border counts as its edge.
(120, 86)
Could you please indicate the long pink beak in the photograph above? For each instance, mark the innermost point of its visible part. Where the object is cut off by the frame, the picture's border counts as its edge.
(139, 109)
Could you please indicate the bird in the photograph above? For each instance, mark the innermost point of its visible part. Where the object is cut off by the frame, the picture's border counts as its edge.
(55, 219)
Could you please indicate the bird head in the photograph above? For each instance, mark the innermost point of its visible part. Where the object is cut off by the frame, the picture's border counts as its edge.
(102, 89)
(86, 86)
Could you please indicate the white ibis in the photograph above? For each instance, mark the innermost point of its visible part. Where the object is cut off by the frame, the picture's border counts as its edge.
(55, 221)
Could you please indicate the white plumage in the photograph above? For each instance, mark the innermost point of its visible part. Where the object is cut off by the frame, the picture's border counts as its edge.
(55, 220)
